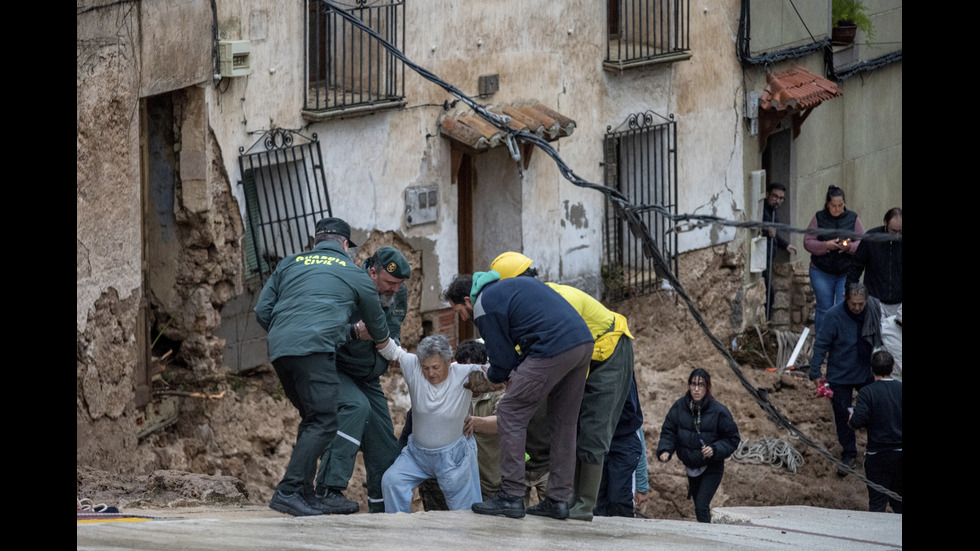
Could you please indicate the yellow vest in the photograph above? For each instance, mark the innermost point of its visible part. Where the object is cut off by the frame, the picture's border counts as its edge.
(606, 326)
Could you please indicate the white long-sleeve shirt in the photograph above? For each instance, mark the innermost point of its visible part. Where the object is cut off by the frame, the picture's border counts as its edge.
(438, 411)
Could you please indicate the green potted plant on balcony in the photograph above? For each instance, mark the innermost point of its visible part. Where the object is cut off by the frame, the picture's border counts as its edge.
(848, 16)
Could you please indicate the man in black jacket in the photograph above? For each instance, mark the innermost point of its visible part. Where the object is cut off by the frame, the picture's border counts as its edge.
(775, 195)
(881, 262)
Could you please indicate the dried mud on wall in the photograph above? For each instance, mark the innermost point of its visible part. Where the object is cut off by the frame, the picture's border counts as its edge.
(106, 353)
(207, 275)
(248, 432)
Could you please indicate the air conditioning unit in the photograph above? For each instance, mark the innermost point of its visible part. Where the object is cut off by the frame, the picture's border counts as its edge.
(235, 57)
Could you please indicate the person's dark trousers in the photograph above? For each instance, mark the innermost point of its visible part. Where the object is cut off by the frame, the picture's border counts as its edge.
(606, 389)
(884, 469)
(432, 497)
(310, 383)
(561, 381)
(702, 488)
(616, 491)
(842, 399)
(770, 293)
(406, 431)
(363, 423)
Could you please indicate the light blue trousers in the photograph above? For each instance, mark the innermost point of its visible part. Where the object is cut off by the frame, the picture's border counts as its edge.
(455, 467)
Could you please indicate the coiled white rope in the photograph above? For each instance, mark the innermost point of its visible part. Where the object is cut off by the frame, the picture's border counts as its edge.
(769, 451)
(86, 504)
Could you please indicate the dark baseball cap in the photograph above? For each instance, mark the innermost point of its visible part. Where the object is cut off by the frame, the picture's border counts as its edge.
(334, 226)
(394, 262)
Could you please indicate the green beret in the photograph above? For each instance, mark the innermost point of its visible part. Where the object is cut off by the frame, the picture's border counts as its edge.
(391, 260)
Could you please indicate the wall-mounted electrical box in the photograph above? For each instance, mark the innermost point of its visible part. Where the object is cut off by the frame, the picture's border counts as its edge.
(421, 205)
(489, 84)
(236, 57)
(752, 112)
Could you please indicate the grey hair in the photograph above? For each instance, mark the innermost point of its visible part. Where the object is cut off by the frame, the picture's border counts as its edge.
(855, 289)
(435, 345)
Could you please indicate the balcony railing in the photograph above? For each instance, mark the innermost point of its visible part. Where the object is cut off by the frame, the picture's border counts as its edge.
(347, 69)
(640, 162)
(285, 196)
(646, 31)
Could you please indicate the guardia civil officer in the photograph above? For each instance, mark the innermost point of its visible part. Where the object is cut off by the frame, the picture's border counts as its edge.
(363, 416)
(305, 306)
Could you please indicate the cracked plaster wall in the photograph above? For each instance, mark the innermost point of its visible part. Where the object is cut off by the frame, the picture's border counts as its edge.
(108, 246)
(114, 71)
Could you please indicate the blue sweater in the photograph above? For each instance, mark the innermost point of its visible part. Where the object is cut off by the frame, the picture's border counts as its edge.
(522, 311)
(848, 360)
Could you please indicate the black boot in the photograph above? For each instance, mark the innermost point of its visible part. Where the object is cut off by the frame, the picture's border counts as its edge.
(550, 508)
(292, 504)
(501, 504)
(334, 503)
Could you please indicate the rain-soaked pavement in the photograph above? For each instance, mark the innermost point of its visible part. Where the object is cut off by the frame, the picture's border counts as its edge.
(256, 527)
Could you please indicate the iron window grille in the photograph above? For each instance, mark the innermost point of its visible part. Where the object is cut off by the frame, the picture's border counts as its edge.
(346, 67)
(285, 195)
(640, 162)
(641, 31)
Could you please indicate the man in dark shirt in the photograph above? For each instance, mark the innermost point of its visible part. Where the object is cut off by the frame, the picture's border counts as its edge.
(879, 408)
(847, 337)
(775, 195)
(555, 350)
(881, 262)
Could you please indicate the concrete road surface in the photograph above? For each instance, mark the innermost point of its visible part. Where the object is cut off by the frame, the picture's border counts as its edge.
(256, 527)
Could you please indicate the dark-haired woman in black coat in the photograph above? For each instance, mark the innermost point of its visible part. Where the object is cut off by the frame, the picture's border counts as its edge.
(703, 434)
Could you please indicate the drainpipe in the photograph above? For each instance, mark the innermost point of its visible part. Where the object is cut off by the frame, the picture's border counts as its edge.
(830, 17)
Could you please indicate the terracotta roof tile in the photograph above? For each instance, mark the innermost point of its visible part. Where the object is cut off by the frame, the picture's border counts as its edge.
(469, 129)
(796, 89)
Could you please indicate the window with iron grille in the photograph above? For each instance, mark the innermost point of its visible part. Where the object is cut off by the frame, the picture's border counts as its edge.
(640, 162)
(348, 70)
(285, 195)
(647, 31)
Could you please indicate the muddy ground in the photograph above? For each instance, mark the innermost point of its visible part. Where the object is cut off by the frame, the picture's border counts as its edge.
(243, 439)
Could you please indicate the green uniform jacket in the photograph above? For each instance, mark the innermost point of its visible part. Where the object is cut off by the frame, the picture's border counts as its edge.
(359, 359)
(308, 300)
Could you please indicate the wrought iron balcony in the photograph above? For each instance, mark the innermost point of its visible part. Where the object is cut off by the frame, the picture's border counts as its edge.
(641, 32)
(348, 71)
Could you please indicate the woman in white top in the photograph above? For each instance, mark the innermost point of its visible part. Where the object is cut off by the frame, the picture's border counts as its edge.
(437, 447)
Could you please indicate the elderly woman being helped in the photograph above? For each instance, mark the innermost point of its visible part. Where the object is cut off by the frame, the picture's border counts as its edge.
(437, 447)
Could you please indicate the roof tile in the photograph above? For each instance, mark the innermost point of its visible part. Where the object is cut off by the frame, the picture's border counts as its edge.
(796, 89)
(471, 130)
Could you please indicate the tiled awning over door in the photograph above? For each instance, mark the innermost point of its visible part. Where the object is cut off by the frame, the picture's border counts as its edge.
(467, 129)
(793, 93)
(469, 133)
